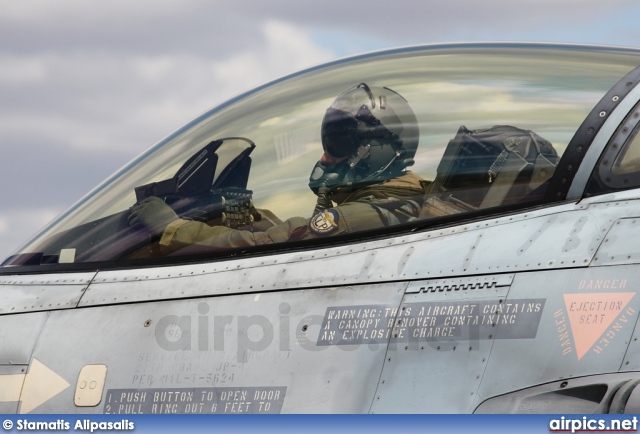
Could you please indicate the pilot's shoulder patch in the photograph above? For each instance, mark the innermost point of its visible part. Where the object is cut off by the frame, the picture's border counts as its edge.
(324, 222)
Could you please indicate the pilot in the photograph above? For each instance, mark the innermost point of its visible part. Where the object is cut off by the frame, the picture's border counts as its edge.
(370, 136)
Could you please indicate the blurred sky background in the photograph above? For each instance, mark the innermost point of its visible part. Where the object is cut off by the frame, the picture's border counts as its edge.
(85, 86)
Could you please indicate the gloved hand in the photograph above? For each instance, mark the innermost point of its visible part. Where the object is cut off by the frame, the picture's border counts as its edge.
(153, 214)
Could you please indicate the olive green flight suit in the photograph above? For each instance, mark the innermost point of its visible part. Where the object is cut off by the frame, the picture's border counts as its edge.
(368, 208)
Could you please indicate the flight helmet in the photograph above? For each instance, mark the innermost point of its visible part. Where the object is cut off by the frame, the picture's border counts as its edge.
(373, 132)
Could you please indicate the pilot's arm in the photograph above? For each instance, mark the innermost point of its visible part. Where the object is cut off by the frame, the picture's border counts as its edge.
(175, 232)
(180, 233)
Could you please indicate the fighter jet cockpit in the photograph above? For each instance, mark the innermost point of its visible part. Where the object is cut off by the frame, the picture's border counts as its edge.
(371, 147)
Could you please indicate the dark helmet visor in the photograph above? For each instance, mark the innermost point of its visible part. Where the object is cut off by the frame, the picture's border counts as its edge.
(340, 136)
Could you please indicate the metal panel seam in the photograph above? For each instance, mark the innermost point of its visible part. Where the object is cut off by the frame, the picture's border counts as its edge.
(386, 353)
(86, 288)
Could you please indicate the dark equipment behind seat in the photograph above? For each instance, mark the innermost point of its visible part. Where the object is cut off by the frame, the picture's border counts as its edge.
(501, 165)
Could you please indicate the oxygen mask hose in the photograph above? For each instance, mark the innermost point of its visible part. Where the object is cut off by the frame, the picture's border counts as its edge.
(323, 202)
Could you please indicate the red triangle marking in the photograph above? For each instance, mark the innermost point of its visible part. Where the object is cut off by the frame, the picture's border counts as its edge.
(591, 315)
